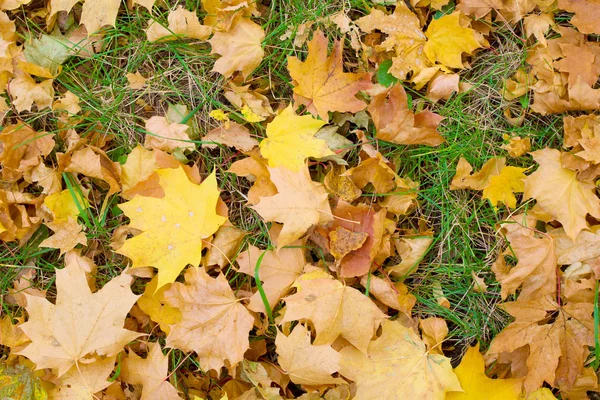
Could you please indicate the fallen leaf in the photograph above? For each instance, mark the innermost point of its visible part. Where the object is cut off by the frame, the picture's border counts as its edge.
(67, 235)
(135, 80)
(337, 183)
(587, 15)
(447, 38)
(516, 146)
(565, 337)
(411, 250)
(396, 364)
(433, 332)
(536, 267)
(320, 82)
(92, 162)
(442, 86)
(299, 204)
(396, 123)
(214, 324)
(224, 246)
(254, 168)
(290, 140)
(153, 303)
(560, 194)
(396, 296)
(479, 285)
(180, 23)
(240, 48)
(335, 310)
(172, 226)
(166, 136)
(277, 272)
(475, 383)
(307, 364)
(23, 149)
(81, 324)
(236, 136)
(342, 241)
(82, 381)
(26, 91)
(537, 25)
(501, 188)
(479, 180)
(150, 372)
(19, 382)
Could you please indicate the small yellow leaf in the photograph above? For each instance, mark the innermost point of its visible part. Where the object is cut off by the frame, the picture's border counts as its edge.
(502, 188)
(477, 386)
(290, 140)
(448, 39)
(63, 205)
(153, 303)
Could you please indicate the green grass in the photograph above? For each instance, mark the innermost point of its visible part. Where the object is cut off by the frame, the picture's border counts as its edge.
(179, 72)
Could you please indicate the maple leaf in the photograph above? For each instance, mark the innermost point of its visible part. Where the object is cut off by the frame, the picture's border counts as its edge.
(213, 322)
(405, 38)
(479, 180)
(501, 188)
(235, 135)
(255, 169)
(22, 150)
(19, 382)
(151, 372)
(26, 91)
(300, 204)
(320, 82)
(562, 339)
(277, 271)
(448, 37)
(337, 183)
(224, 246)
(153, 303)
(172, 226)
(360, 220)
(392, 294)
(411, 250)
(181, 22)
(536, 267)
(476, 385)
(81, 325)
(560, 194)
(307, 364)
(335, 310)
(396, 123)
(291, 139)
(92, 162)
(240, 48)
(167, 136)
(397, 365)
(83, 380)
(587, 15)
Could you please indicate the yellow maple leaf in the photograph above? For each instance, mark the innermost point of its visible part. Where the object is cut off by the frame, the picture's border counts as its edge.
(172, 226)
(290, 140)
(448, 38)
(502, 188)
(63, 205)
(476, 385)
(320, 82)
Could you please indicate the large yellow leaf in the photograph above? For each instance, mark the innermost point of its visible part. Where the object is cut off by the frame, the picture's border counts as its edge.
(477, 386)
(214, 323)
(300, 204)
(397, 366)
(448, 38)
(320, 82)
(501, 188)
(172, 226)
(560, 194)
(291, 139)
(334, 310)
(81, 324)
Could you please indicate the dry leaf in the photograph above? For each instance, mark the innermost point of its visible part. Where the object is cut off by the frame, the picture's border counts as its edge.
(236, 136)
(240, 48)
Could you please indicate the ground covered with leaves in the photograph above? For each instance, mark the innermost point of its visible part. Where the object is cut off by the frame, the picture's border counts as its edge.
(338, 199)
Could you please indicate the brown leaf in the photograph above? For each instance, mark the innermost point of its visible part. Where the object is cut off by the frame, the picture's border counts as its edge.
(224, 246)
(320, 82)
(587, 15)
(396, 297)
(434, 330)
(395, 123)
(342, 241)
(92, 162)
(236, 136)
(151, 372)
(479, 180)
(341, 185)
(67, 235)
(23, 149)
(166, 136)
(560, 194)
(214, 324)
(254, 168)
